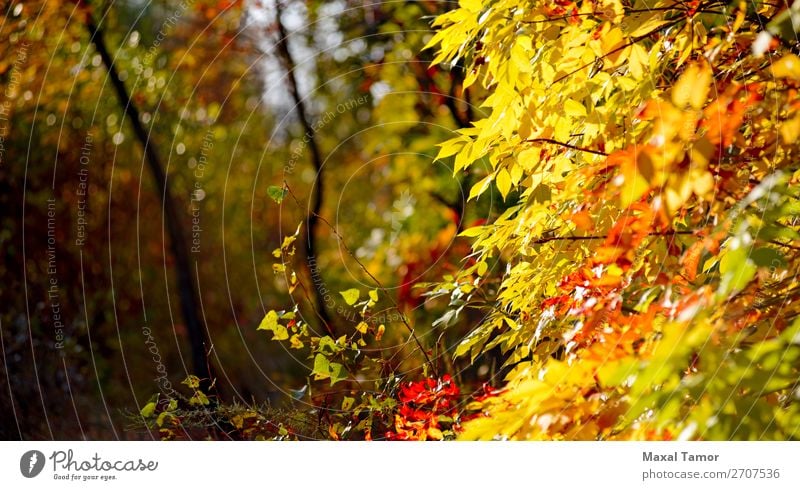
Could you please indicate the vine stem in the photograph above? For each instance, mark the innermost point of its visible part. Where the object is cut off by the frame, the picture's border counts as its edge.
(377, 282)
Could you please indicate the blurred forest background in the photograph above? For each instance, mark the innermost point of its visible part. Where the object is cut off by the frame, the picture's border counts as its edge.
(335, 99)
(569, 220)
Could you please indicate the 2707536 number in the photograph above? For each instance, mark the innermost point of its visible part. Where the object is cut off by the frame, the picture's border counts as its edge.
(754, 473)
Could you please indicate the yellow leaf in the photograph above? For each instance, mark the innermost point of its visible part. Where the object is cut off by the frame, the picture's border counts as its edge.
(480, 187)
(472, 232)
(529, 158)
(654, 56)
(449, 148)
(678, 192)
(280, 333)
(435, 434)
(574, 108)
(740, 16)
(362, 327)
(700, 153)
(563, 129)
(350, 296)
(626, 83)
(702, 182)
(612, 10)
(790, 130)
(463, 157)
(503, 182)
(649, 25)
(295, 342)
(633, 187)
(525, 127)
(519, 54)
(691, 89)
(516, 174)
(637, 62)
(787, 67)
(612, 46)
(269, 322)
(470, 78)
(635, 173)
(473, 6)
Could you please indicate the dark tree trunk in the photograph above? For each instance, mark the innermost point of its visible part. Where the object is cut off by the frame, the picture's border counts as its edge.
(312, 220)
(187, 291)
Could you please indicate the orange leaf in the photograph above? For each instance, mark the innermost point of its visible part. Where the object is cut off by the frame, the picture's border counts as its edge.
(691, 260)
(583, 221)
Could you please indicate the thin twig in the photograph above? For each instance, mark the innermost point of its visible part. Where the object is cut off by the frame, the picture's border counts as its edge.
(787, 245)
(567, 145)
(616, 50)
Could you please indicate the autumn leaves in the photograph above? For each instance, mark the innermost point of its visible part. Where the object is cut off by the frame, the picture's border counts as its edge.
(642, 142)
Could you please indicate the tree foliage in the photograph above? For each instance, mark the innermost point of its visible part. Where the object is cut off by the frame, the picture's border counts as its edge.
(650, 253)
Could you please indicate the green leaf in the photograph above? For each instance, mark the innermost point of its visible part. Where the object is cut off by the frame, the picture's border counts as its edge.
(162, 417)
(768, 257)
(277, 193)
(350, 296)
(148, 410)
(737, 270)
(338, 373)
(322, 367)
(191, 381)
(617, 373)
(199, 398)
(327, 342)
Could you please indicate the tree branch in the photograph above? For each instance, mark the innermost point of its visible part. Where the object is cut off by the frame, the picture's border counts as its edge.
(603, 237)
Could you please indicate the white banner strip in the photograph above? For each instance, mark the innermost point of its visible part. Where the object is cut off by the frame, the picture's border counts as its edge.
(357, 465)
